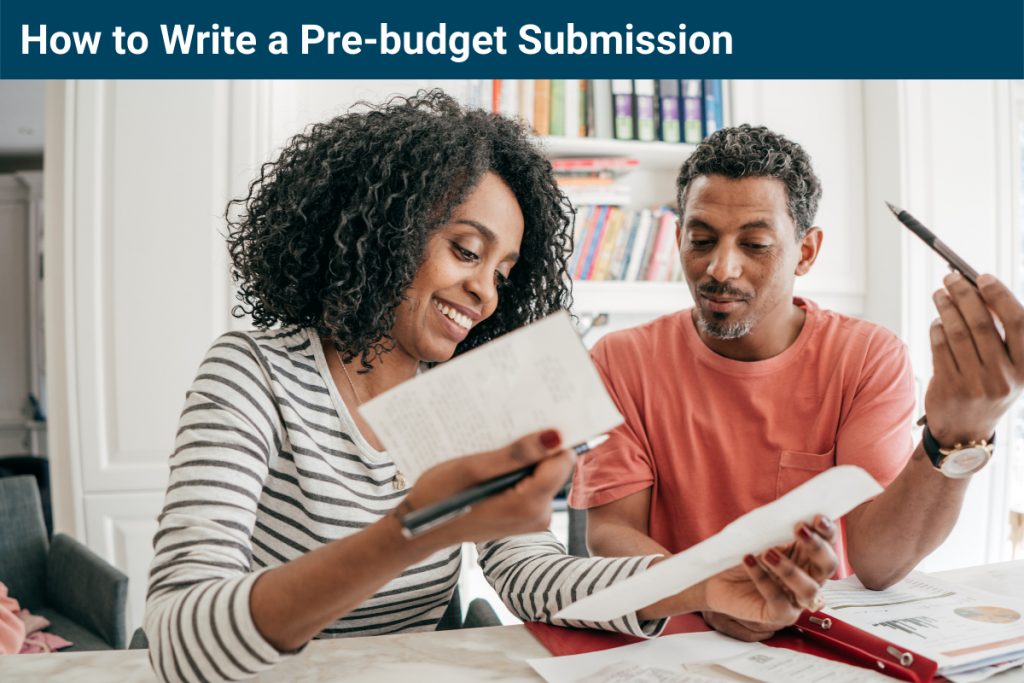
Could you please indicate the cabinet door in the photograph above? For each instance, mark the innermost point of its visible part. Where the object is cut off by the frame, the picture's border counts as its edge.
(120, 528)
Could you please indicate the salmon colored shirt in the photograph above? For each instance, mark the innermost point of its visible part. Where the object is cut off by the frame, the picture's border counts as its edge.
(717, 438)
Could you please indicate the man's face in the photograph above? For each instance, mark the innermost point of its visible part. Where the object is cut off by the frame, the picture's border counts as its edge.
(740, 253)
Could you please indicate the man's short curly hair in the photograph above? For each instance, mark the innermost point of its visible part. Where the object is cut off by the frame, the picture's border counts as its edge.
(333, 231)
(746, 151)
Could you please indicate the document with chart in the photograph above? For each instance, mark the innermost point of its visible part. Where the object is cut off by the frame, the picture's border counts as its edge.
(959, 627)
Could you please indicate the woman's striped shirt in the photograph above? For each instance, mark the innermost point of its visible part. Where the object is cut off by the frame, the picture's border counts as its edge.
(267, 465)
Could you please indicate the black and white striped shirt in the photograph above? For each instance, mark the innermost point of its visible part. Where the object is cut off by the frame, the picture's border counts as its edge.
(268, 465)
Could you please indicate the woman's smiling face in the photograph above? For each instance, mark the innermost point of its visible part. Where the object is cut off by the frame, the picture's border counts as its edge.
(457, 287)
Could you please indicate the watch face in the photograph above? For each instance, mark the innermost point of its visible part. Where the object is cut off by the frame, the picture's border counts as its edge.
(963, 463)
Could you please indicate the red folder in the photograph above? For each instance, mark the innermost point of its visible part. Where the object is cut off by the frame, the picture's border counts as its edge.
(815, 634)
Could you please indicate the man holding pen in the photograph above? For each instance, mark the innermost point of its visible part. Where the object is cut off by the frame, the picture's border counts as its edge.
(734, 402)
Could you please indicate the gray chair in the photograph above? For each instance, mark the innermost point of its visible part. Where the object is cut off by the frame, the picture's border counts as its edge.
(82, 596)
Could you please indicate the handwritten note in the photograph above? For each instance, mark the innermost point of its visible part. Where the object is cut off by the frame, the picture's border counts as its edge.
(538, 377)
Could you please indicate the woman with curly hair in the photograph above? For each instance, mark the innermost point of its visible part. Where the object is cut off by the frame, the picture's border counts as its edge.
(377, 242)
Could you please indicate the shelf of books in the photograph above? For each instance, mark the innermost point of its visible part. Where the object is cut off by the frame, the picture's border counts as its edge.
(616, 147)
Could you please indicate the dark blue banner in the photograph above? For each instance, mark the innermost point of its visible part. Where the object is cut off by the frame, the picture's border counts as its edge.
(738, 39)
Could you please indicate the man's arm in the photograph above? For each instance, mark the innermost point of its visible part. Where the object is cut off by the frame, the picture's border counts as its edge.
(976, 378)
(621, 528)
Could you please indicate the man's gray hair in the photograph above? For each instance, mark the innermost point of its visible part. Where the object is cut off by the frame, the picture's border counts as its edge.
(746, 152)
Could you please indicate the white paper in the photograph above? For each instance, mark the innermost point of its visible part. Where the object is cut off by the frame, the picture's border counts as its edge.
(832, 493)
(959, 627)
(1001, 578)
(538, 377)
(984, 673)
(630, 672)
(776, 665)
(667, 652)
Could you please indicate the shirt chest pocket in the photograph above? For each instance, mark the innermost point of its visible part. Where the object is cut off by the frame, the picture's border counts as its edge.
(796, 468)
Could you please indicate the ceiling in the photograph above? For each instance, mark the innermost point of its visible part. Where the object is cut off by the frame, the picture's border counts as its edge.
(22, 117)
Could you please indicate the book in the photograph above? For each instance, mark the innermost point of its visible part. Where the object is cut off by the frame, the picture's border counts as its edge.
(670, 129)
(646, 124)
(584, 121)
(542, 106)
(604, 109)
(556, 116)
(579, 233)
(660, 267)
(621, 251)
(496, 96)
(509, 97)
(652, 237)
(526, 97)
(639, 246)
(611, 238)
(595, 242)
(571, 115)
(712, 106)
(592, 164)
(693, 111)
(622, 93)
(591, 233)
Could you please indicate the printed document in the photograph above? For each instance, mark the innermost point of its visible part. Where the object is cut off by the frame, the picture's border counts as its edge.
(959, 627)
(832, 493)
(538, 377)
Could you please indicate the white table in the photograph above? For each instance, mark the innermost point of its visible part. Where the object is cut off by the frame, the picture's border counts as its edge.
(461, 656)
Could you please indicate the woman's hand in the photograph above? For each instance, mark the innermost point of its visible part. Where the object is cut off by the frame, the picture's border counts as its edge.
(752, 601)
(524, 508)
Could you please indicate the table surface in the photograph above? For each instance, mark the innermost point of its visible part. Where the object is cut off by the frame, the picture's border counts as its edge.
(461, 656)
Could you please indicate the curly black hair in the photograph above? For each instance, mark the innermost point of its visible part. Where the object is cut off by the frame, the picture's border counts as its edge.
(746, 151)
(333, 231)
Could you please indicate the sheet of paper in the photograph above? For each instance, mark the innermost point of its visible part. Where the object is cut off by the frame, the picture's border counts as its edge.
(775, 665)
(629, 672)
(959, 627)
(833, 493)
(538, 377)
(1001, 578)
(985, 673)
(670, 653)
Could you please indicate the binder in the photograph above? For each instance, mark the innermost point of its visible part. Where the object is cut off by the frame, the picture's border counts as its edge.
(668, 91)
(693, 111)
(556, 115)
(622, 94)
(839, 643)
(646, 123)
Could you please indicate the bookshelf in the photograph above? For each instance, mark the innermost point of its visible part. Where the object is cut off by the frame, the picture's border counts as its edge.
(653, 183)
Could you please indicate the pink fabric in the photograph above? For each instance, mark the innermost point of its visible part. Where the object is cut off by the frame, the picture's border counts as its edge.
(43, 642)
(21, 631)
(12, 629)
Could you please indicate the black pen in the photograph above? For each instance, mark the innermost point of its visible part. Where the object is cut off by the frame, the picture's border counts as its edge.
(954, 261)
(421, 521)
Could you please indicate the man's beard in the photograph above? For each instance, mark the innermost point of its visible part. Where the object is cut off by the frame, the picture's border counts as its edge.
(715, 324)
(723, 330)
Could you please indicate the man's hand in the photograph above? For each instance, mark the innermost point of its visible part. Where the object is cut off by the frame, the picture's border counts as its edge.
(977, 376)
(752, 602)
(524, 508)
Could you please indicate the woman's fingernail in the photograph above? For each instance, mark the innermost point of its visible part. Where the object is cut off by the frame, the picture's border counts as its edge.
(551, 439)
(771, 557)
(749, 561)
(824, 523)
(804, 531)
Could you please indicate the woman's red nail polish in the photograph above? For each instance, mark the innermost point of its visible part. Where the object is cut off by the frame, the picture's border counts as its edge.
(551, 439)
(749, 561)
(771, 557)
(804, 531)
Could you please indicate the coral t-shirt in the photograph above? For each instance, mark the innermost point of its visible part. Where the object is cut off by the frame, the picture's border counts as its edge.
(717, 438)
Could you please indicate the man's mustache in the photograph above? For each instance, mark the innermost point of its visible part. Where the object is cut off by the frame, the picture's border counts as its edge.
(715, 288)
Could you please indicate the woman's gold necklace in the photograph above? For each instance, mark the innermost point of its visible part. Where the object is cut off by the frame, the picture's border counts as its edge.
(399, 480)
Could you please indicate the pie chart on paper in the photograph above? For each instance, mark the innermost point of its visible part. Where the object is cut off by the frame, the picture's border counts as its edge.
(988, 615)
